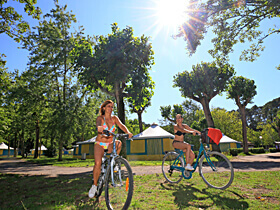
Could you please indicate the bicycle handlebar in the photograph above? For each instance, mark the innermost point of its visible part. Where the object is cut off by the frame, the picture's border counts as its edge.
(108, 133)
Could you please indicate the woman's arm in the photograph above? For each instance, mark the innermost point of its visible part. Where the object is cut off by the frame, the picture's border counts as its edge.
(183, 130)
(122, 126)
(99, 125)
(191, 129)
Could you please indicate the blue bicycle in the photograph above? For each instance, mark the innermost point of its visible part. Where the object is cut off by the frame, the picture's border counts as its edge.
(215, 168)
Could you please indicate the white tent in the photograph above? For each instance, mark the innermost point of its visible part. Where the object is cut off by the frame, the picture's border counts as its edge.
(150, 144)
(153, 132)
(42, 148)
(227, 143)
(226, 139)
(4, 146)
(92, 140)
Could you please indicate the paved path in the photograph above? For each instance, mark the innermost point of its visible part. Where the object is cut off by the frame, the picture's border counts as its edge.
(259, 162)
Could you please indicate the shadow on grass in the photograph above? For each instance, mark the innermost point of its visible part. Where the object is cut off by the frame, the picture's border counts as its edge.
(41, 192)
(190, 196)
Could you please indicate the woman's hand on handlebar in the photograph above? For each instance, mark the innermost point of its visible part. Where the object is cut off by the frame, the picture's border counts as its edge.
(130, 135)
(100, 129)
(196, 133)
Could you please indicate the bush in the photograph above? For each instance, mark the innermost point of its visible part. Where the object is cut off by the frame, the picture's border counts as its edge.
(51, 152)
(273, 150)
(235, 151)
(257, 150)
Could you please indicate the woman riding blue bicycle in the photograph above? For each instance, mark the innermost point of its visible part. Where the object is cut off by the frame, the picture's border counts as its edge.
(180, 130)
(105, 121)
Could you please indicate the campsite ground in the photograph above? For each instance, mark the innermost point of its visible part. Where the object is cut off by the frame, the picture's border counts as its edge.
(259, 162)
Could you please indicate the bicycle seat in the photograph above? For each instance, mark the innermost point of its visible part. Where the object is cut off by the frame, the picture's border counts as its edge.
(177, 150)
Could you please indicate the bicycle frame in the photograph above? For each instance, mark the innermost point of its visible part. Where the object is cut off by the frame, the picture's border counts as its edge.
(112, 158)
(182, 169)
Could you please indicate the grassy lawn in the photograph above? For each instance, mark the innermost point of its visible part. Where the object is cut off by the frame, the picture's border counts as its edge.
(250, 190)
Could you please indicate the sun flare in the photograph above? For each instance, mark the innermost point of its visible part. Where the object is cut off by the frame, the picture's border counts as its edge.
(171, 12)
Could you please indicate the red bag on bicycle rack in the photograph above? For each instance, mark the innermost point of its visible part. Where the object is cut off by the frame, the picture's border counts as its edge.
(211, 135)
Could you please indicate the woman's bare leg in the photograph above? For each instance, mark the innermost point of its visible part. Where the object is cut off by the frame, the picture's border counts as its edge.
(187, 149)
(98, 154)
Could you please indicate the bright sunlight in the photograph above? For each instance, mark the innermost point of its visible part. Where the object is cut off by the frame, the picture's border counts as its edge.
(171, 13)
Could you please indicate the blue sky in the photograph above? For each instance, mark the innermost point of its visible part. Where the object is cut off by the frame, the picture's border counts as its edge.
(170, 55)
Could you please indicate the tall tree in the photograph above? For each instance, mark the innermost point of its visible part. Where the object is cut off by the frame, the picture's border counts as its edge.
(51, 48)
(140, 97)
(113, 62)
(242, 90)
(203, 83)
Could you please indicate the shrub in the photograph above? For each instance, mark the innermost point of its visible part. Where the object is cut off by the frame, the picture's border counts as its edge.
(235, 151)
(273, 150)
(257, 150)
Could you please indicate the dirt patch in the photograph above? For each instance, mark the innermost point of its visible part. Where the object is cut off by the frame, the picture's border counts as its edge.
(261, 162)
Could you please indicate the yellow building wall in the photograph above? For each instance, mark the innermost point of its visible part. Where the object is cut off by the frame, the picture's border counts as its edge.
(85, 148)
(1, 152)
(144, 157)
(167, 145)
(233, 145)
(137, 146)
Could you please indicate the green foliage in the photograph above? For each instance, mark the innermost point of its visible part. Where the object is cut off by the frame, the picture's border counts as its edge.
(232, 22)
(273, 150)
(11, 21)
(235, 151)
(204, 82)
(257, 150)
(228, 122)
(242, 90)
(118, 64)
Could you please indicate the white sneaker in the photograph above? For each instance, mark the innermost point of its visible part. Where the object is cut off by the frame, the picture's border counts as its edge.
(189, 167)
(116, 168)
(92, 191)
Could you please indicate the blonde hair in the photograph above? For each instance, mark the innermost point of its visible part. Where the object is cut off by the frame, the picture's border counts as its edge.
(101, 110)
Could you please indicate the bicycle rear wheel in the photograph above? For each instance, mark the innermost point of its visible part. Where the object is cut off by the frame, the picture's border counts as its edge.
(216, 170)
(172, 175)
(118, 192)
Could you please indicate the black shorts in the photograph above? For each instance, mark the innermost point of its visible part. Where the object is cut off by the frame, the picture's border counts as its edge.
(175, 141)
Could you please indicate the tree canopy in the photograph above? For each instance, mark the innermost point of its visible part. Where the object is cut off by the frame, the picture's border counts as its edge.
(205, 81)
(232, 22)
(11, 21)
(115, 62)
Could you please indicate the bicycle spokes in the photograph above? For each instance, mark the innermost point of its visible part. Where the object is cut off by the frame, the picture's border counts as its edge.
(216, 170)
(119, 185)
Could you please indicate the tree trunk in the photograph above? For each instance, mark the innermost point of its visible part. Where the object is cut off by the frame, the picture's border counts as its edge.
(121, 114)
(140, 121)
(206, 109)
(60, 146)
(15, 145)
(120, 106)
(22, 144)
(37, 139)
(9, 146)
(209, 119)
(244, 129)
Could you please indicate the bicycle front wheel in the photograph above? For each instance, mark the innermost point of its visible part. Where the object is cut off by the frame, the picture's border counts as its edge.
(216, 170)
(119, 190)
(170, 173)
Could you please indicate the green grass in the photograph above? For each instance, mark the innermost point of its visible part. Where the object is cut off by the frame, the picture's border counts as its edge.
(68, 161)
(250, 190)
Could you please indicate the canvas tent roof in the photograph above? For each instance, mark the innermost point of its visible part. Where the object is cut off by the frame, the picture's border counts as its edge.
(226, 139)
(90, 141)
(4, 146)
(42, 148)
(153, 132)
